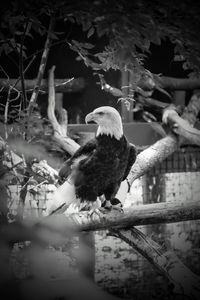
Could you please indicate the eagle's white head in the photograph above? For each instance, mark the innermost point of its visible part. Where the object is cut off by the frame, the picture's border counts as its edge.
(108, 119)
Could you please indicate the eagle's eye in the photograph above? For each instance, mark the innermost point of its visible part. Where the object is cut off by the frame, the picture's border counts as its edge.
(100, 113)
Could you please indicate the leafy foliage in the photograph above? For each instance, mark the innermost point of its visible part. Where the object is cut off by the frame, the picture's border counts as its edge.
(130, 26)
(127, 29)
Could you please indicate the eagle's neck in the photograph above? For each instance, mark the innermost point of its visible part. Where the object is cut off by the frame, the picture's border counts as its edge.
(115, 131)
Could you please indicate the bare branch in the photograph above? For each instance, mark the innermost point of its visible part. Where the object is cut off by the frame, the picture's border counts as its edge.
(181, 126)
(60, 130)
(68, 85)
(164, 147)
(22, 196)
(173, 84)
(42, 67)
(51, 105)
(21, 66)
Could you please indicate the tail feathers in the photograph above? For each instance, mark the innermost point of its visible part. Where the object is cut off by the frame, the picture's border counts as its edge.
(122, 192)
(62, 198)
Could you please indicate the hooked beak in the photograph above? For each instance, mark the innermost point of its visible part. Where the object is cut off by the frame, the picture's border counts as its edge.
(90, 118)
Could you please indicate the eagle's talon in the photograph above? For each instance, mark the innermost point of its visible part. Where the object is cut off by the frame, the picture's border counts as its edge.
(96, 212)
(105, 210)
(118, 208)
(106, 205)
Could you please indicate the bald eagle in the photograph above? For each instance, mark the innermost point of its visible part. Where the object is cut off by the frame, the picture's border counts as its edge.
(98, 167)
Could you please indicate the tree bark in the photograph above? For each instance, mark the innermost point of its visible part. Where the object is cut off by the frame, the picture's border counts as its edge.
(166, 146)
(60, 129)
(165, 212)
(181, 127)
(185, 282)
(172, 84)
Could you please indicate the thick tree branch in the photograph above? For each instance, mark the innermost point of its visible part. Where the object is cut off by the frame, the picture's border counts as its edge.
(164, 147)
(52, 228)
(172, 84)
(166, 212)
(165, 261)
(150, 102)
(180, 126)
(60, 130)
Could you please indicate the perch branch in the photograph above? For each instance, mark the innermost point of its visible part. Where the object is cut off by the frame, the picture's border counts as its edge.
(166, 212)
(52, 229)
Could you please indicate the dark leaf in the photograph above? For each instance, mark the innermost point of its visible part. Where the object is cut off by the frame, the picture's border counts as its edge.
(53, 36)
(90, 32)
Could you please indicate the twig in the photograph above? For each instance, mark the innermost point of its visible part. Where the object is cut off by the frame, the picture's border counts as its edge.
(41, 68)
(22, 196)
(6, 114)
(26, 69)
(21, 66)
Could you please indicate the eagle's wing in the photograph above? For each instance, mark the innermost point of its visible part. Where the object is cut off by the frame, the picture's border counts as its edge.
(65, 194)
(83, 151)
(131, 159)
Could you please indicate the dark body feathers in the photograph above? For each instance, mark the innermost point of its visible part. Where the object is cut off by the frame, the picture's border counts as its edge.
(99, 167)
